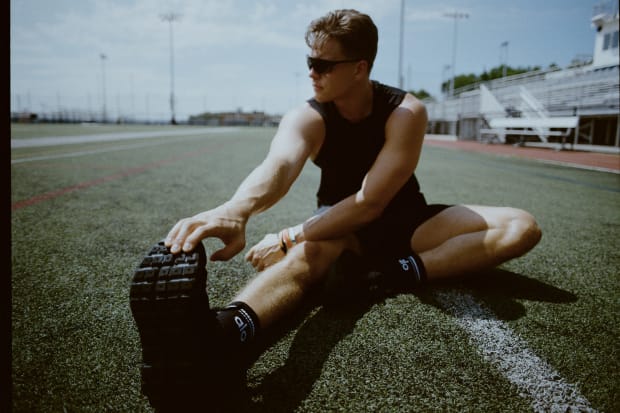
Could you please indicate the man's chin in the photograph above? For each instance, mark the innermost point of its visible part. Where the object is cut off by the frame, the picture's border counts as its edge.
(320, 97)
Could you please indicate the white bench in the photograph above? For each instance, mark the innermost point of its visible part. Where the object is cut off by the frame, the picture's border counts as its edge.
(541, 127)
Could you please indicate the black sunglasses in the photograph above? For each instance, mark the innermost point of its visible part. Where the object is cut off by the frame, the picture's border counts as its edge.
(321, 66)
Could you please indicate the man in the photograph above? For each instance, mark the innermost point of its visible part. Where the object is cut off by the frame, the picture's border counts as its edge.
(366, 138)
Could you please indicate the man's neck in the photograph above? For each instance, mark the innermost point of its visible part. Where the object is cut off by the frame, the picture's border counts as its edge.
(357, 104)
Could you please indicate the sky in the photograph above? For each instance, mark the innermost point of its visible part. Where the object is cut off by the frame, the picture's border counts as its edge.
(250, 54)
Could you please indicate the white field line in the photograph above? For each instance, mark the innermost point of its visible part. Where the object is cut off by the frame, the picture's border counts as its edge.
(83, 153)
(535, 379)
(105, 137)
(89, 138)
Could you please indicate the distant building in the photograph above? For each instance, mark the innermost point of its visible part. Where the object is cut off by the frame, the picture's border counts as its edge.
(237, 118)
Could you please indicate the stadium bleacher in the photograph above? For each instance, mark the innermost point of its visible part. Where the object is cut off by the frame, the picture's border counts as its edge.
(590, 93)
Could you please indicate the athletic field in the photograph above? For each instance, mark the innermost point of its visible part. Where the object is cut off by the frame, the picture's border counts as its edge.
(541, 333)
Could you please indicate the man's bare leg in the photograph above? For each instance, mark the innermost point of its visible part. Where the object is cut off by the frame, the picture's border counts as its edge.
(465, 238)
(277, 290)
(458, 240)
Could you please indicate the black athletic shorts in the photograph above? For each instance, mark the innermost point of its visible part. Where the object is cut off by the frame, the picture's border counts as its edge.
(391, 233)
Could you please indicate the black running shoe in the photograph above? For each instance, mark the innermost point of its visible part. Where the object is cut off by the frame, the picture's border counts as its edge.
(170, 305)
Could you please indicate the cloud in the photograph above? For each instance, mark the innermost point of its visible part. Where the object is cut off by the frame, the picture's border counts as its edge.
(433, 13)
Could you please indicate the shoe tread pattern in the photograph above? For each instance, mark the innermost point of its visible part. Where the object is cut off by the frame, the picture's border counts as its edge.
(170, 305)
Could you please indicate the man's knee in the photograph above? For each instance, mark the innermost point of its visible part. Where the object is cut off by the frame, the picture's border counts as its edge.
(312, 258)
(522, 233)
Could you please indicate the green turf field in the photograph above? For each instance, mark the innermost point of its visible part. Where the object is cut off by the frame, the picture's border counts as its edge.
(540, 333)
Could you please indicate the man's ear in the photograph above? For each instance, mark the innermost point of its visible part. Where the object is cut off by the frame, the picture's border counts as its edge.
(362, 68)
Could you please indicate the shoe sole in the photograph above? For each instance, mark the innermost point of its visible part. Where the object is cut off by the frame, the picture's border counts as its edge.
(170, 306)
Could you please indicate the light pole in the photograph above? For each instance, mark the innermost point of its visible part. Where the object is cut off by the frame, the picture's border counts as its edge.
(443, 77)
(400, 51)
(456, 16)
(443, 101)
(171, 17)
(104, 112)
(504, 59)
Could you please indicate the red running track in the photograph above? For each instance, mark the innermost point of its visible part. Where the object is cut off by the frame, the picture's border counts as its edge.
(589, 160)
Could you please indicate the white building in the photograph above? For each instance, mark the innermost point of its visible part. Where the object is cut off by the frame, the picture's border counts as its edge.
(605, 21)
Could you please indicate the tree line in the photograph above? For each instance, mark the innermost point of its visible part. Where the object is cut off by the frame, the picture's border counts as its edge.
(472, 78)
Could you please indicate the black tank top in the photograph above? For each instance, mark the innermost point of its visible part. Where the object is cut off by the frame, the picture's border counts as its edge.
(350, 149)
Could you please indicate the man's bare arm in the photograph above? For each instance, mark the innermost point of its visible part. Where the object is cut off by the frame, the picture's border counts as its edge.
(297, 137)
(290, 148)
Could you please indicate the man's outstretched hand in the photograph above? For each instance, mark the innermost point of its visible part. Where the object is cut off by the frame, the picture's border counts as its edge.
(218, 223)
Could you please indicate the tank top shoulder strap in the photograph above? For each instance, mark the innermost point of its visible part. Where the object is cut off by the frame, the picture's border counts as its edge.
(326, 110)
(387, 98)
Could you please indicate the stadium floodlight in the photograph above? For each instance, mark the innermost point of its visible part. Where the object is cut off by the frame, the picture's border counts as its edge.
(170, 18)
(456, 16)
(104, 114)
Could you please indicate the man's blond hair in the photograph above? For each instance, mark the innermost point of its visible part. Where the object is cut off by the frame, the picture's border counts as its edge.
(355, 32)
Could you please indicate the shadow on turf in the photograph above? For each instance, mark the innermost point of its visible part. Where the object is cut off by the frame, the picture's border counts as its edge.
(284, 389)
(500, 291)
